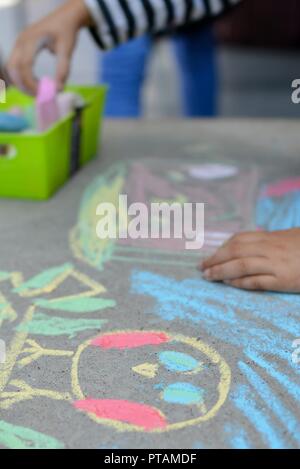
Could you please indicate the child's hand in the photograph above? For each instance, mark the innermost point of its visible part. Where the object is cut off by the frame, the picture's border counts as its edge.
(258, 261)
(57, 32)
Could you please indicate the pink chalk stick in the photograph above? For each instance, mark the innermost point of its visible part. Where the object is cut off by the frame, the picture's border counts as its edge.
(47, 107)
(140, 415)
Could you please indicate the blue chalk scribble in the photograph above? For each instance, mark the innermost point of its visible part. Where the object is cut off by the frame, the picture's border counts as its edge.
(261, 326)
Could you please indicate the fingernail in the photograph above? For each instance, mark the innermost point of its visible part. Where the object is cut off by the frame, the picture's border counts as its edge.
(207, 274)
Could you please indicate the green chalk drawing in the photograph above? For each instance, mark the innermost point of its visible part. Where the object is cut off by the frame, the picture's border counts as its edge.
(55, 326)
(226, 216)
(79, 305)
(4, 275)
(84, 240)
(151, 251)
(43, 279)
(176, 176)
(15, 437)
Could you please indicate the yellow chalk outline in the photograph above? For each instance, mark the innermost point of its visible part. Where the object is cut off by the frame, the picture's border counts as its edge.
(213, 355)
(108, 191)
(147, 370)
(15, 278)
(15, 349)
(35, 352)
(8, 313)
(49, 288)
(95, 287)
(19, 339)
(26, 392)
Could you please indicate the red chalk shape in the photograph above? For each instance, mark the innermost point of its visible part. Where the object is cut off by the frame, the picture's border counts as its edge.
(123, 340)
(140, 415)
(283, 187)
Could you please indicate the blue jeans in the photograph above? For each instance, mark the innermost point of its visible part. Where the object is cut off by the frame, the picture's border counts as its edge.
(124, 69)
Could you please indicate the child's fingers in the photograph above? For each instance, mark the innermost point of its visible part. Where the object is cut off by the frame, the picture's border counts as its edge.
(255, 283)
(26, 75)
(62, 71)
(20, 68)
(238, 268)
(12, 67)
(64, 52)
(247, 237)
(231, 251)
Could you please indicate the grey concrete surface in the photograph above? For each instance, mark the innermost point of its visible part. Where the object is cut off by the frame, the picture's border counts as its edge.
(249, 334)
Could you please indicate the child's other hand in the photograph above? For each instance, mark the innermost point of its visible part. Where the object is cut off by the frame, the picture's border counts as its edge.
(57, 32)
(258, 261)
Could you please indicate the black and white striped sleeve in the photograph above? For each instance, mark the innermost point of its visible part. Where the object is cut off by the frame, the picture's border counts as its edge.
(117, 21)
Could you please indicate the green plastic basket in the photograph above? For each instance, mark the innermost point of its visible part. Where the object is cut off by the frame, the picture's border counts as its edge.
(37, 165)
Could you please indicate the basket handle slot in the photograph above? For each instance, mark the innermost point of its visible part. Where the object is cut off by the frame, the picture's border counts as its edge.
(7, 151)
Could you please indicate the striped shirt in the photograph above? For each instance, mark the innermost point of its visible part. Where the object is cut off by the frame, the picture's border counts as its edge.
(117, 21)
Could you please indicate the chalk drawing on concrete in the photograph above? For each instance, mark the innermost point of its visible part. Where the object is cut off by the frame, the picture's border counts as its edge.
(263, 348)
(120, 414)
(193, 301)
(126, 415)
(212, 171)
(153, 181)
(24, 349)
(278, 205)
(18, 437)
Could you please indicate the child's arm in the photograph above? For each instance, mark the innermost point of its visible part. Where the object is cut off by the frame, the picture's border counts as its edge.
(111, 21)
(258, 261)
(120, 20)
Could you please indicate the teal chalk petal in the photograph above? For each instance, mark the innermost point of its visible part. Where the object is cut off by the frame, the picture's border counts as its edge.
(179, 362)
(183, 393)
(16, 437)
(43, 279)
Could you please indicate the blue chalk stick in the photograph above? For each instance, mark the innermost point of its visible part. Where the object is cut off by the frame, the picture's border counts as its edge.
(12, 123)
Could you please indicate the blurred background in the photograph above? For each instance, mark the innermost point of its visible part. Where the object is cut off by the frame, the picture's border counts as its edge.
(242, 66)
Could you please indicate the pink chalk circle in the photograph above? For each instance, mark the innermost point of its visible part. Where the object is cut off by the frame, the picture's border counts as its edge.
(129, 340)
(211, 171)
(140, 415)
